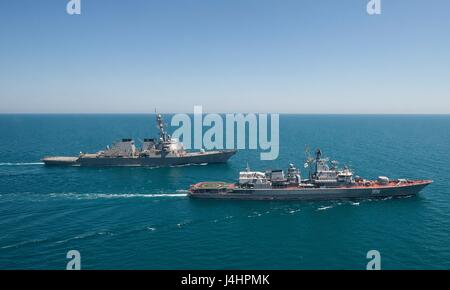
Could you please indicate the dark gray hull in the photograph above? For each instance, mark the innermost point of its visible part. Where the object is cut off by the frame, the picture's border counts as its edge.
(314, 193)
(208, 157)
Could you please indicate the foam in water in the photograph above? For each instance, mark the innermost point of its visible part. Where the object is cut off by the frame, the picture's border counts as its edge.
(20, 163)
(116, 195)
(23, 243)
(325, 207)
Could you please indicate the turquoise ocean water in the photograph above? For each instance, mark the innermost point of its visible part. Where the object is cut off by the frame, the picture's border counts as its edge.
(141, 218)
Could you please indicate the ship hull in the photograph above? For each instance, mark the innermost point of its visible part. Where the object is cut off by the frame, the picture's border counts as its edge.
(309, 194)
(91, 160)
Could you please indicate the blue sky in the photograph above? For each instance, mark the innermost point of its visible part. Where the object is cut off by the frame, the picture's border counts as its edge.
(287, 56)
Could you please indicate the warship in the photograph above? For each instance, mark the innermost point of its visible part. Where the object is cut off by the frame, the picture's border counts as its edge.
(165, 151)
(325, 182)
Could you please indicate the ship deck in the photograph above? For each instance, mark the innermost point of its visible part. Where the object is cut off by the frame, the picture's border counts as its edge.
(218, 186)
(390, 184)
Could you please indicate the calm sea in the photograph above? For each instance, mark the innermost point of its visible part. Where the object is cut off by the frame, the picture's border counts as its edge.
(141, 218)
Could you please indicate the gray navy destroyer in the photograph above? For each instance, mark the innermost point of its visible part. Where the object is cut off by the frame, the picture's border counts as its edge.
(325, 182)
(165, 151)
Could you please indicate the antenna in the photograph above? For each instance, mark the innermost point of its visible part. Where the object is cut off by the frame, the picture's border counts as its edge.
(307, 151)
(309, 160)
(334, 164)
(160, 125)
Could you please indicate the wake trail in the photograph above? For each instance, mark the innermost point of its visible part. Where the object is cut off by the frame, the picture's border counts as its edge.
(20, 163)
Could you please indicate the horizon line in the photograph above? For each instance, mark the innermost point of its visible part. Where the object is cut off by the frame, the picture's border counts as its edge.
(191, 113)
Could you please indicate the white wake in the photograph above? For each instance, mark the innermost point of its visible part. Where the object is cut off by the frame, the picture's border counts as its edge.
(21, 163)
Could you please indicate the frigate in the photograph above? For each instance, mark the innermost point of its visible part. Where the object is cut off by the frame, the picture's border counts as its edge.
(325, 181)
(164, 151)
